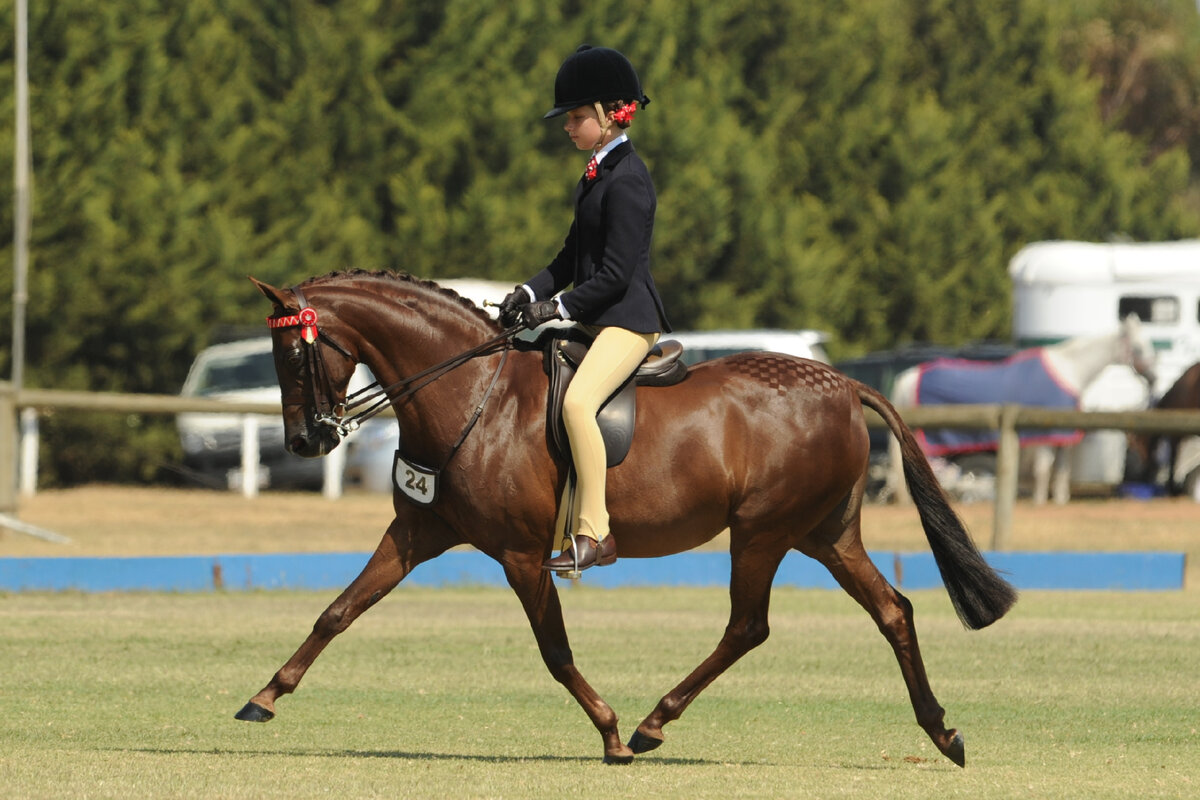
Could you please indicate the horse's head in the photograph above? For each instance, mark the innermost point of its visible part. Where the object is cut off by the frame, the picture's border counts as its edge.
(314, 372)
(1139, 348)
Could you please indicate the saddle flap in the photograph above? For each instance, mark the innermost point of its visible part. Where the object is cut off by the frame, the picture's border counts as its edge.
(618, 414)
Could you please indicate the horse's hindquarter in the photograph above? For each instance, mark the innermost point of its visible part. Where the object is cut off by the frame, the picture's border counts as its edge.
(752, 437)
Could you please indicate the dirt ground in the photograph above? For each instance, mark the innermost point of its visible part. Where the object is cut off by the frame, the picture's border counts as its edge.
(122, 521)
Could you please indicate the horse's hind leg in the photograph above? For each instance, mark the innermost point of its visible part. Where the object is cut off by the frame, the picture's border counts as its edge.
(1043, 466)
(848, 562)
(753, 570)
(386, 568)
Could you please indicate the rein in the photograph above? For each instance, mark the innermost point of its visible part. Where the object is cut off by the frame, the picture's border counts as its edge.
(374, 398)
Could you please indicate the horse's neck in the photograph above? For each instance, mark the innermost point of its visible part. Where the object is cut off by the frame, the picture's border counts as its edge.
(1077, 362)
(401, 344)
(403, 347)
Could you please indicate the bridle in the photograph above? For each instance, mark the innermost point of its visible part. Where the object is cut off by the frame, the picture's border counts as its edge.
(365, 403)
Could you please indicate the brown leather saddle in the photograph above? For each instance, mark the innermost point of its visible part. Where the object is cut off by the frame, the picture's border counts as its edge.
(618, 414)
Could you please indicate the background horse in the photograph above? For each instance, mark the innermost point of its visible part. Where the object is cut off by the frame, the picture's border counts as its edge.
(770, 446)
(1159, 454)
(1063, 370)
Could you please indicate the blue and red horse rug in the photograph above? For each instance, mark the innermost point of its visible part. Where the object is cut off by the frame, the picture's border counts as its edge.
(1024, 379)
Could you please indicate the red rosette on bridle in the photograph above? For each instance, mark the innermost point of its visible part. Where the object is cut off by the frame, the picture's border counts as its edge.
(308, 324)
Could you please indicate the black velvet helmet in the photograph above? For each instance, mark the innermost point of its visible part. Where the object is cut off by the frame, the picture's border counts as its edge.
(594, 75)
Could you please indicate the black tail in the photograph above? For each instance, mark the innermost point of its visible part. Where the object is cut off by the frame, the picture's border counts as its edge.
(979, 595)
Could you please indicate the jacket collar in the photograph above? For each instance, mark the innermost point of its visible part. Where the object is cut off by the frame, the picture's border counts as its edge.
(607, 164)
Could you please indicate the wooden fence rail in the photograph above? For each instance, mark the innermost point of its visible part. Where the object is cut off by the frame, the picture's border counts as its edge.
(1007, 419)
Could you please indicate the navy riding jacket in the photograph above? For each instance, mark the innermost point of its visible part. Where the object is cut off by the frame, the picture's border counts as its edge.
(606, 254)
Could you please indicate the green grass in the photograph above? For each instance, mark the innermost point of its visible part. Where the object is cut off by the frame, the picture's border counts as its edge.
(441, 693)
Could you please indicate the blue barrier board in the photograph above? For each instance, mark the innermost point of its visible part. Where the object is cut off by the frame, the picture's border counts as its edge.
(1133, 571)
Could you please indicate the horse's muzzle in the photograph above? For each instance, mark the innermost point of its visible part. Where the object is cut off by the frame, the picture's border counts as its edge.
(313, 443)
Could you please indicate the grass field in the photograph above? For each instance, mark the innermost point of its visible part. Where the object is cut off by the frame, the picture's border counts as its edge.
(441, 693)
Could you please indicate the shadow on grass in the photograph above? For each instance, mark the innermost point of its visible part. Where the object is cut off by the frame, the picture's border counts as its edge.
(411, 756)
(401, 755)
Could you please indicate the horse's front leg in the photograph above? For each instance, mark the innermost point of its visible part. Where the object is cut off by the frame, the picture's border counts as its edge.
(535, 588)
(388, 565)
(1061, 486)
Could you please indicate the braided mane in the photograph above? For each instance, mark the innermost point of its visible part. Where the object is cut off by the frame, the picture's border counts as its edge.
(401, 277)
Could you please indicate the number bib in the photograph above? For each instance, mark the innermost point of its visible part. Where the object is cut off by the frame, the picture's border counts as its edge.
(419, 484)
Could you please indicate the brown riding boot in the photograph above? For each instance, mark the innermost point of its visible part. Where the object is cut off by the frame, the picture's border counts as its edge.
(585, 553)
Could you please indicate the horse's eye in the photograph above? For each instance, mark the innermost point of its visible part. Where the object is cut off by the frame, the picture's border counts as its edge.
(295, 359)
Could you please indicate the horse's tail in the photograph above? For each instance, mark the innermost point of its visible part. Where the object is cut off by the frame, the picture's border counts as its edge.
(979, 595)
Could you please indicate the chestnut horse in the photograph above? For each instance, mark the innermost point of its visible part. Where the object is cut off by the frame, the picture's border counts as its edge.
(772, 447)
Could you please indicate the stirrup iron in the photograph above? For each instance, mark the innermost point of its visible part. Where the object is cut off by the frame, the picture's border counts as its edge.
(576, 573)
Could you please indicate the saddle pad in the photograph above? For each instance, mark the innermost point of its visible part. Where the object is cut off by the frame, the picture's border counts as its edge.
(1023, 379)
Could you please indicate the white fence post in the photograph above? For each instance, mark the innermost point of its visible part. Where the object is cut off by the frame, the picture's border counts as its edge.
(1008, 455)
(334, 472)
(27, 470)
(250, 456)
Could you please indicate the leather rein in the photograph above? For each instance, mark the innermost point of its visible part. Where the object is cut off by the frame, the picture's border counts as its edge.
(374, 398)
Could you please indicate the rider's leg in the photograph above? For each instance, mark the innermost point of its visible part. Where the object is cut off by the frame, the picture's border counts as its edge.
(611, 359)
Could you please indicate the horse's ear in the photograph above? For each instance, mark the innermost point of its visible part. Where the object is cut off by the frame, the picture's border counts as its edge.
(270, 292)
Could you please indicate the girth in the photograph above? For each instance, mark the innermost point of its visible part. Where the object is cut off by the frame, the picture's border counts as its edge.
(618, 414)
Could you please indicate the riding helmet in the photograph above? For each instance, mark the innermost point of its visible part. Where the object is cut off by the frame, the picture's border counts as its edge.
(594, 75)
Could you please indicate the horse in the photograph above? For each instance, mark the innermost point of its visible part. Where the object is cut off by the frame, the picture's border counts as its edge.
(1064, 371)
(772, 447)
(1183, 394)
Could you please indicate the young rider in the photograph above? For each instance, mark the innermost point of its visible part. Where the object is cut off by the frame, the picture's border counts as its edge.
(606, 257)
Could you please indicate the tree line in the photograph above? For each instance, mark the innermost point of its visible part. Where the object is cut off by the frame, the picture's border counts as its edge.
(866, 168)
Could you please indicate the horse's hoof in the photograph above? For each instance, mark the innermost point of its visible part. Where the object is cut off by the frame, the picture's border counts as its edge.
(957, 751)
(253, 712)
(618, 759)
(640, 743)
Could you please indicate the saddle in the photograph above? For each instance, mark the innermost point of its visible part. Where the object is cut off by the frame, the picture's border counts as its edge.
(618, 414)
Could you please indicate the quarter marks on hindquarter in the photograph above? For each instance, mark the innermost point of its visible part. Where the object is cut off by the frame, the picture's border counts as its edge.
(782, 373)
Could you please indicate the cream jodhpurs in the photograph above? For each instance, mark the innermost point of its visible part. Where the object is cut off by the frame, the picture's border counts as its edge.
(611, 359)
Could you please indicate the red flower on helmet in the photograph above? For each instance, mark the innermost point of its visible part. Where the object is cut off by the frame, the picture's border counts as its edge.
(624, 114)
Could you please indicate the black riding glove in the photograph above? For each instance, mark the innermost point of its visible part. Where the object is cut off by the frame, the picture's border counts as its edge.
(539, 313)
(510, 307)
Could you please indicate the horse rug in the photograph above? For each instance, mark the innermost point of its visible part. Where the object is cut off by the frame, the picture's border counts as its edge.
(1024, 379)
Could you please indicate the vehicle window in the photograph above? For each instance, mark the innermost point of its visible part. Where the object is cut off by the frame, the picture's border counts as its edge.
(1160, 310)
(253, 371)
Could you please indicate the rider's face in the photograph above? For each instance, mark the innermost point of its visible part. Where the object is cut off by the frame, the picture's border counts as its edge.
(583, 126)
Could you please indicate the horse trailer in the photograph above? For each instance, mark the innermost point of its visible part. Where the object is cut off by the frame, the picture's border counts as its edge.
(1063, 289)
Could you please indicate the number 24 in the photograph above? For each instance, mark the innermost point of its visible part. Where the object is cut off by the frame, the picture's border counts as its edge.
(415, 483)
